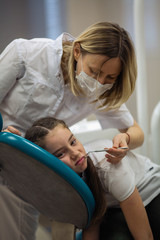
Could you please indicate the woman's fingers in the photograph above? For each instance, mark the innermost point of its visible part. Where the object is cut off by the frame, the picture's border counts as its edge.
(12, 130)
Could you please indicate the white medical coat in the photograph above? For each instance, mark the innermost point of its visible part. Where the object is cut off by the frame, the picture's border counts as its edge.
(32, 86)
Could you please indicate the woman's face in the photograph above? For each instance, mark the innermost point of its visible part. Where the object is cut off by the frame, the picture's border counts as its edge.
(99, 67)
(61, 143)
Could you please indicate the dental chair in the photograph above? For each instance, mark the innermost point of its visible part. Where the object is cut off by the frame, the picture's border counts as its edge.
(42, 180)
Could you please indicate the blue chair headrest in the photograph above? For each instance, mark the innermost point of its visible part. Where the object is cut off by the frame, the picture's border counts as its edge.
(1, 122)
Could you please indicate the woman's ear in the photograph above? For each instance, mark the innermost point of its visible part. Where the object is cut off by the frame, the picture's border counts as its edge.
(76, 51)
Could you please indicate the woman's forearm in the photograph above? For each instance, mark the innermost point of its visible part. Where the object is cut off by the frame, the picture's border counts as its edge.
(136, 136)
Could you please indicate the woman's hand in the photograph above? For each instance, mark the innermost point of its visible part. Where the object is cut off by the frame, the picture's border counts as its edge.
(115, 155)
(130, 138)
(12, 130)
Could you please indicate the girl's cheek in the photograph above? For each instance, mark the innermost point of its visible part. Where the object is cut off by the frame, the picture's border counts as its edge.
(67, 162)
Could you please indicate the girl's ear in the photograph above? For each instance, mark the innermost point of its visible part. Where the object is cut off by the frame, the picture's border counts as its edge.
(76, 51)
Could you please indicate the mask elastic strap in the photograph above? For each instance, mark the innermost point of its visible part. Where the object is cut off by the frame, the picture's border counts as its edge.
(81, 63)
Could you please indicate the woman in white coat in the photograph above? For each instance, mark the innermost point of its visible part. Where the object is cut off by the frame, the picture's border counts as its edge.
(70, 78)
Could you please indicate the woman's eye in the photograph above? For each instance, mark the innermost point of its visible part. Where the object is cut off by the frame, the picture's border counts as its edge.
(95, 74)
(112, 78)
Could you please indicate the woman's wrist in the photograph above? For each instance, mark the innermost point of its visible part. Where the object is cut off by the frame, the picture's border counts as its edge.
(129, 138)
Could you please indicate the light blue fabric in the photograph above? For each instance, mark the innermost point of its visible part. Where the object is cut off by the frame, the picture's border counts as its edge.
(79, 235)
(1, 122)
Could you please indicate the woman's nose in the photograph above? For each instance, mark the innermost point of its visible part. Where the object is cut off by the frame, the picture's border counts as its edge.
(101, 79)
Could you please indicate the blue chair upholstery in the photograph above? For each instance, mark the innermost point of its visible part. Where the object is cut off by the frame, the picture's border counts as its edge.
(44, 181)
(79, 235)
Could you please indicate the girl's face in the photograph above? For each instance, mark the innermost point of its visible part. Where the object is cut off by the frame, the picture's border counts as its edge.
(61, 143)
(99, 67)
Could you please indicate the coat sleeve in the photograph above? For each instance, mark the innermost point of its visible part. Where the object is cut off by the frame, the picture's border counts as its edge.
(11, 68)
(117, 118)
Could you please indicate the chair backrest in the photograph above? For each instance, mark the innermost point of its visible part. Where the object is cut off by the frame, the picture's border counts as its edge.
(41, 179)
(1, 122)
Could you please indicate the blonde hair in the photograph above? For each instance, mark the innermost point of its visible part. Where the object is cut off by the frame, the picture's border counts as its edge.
(111, 40)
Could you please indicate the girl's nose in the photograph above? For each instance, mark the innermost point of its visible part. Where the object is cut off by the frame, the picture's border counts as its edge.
(74, 154)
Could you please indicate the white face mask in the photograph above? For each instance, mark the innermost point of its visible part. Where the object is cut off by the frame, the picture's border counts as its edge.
(91, 86)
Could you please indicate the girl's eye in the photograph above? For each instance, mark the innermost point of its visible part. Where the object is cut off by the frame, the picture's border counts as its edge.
(59, 155)
(73, 142)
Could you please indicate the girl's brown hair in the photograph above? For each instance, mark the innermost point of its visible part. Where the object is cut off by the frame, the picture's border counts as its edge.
(37, 134)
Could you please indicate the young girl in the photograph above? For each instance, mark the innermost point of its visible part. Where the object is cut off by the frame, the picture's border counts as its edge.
(120, 183)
